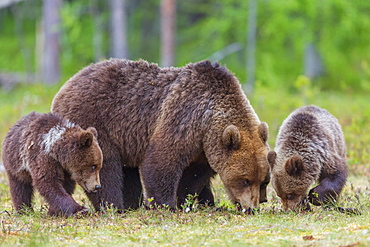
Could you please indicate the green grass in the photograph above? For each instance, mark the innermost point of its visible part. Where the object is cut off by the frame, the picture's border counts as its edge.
(199, 227)
(206, 226)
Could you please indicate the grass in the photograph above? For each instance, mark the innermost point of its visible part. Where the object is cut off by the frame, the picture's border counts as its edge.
(206, 226)
(199, 227)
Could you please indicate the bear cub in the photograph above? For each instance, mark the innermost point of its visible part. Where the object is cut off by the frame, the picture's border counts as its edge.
(51, 154)
(310, 148)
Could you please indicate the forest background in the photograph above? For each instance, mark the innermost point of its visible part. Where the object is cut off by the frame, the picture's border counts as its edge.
(326, 41)
(285, 53)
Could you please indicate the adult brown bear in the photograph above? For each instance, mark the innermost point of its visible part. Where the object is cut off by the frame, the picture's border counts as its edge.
(170, 128)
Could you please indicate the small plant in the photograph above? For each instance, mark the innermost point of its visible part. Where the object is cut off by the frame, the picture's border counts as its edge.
(190, 203)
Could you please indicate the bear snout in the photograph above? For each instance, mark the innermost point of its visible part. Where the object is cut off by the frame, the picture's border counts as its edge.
(92, 183)
(91, 187)
(249, 202)
(95, 188)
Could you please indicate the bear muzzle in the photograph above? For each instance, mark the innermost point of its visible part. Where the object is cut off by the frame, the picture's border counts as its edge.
(249, 199)
(93, 188)
(297, 205)
(92, 184)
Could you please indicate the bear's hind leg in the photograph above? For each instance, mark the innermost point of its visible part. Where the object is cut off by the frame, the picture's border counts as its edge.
(21, 192)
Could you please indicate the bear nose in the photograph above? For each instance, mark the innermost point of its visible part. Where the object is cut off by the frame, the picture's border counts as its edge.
(97, 187)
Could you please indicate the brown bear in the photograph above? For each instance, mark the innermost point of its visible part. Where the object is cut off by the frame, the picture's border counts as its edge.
(51, 154)
(310, 148)
(172, 129)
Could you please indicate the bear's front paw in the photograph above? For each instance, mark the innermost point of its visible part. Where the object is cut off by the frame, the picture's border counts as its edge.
(81, 213)
(314, 197)
(67, 211)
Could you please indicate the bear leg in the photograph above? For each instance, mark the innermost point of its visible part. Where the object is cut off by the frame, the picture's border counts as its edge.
(60, 202)
(196, 180)
(69, 184)
(111, 179)
(66, 207)
(21, 192)
(168, 154)
(160, 184)
(328, 190)
(206, 196)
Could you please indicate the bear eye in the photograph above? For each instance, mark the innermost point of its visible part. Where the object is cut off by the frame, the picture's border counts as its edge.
(93, 168)
(245, 182)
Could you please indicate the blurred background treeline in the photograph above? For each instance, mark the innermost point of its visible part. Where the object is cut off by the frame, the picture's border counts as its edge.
(286, 53)
(269, 43)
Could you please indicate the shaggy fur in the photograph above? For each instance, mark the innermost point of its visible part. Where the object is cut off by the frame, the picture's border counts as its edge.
(310, 148)
(171, 126)
(51, 154)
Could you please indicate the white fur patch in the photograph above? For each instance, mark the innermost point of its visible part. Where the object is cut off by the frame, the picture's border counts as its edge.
(69, 124)
(52, 136)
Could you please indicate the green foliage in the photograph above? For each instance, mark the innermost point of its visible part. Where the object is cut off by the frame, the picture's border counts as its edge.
(339, 29)
(143, 30)
(23, 100)
(17, 39)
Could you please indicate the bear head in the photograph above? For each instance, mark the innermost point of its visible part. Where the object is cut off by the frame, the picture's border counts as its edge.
(242, 165)
(79, 153)
(290, 180)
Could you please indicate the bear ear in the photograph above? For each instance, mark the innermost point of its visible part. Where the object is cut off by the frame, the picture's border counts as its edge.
(93, 131)
(85, 139)
(271, 157)
(294, 166)
(263, 131)
(231, 137)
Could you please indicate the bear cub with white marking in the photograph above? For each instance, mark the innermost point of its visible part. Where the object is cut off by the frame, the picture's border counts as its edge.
(51, 154)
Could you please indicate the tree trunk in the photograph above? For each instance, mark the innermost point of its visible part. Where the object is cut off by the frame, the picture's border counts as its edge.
(251, 46)
(313, 66)
(168, 27)
(19, 13)
(51, 26)
(98, 31)
(118, 29)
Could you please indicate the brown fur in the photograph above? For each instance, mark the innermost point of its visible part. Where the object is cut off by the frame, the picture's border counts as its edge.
(168, 124)
(310, 148)
(50, 154)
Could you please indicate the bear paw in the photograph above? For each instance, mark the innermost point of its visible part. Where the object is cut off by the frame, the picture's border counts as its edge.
(67, 211)
(81, 213)
(315, 197)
